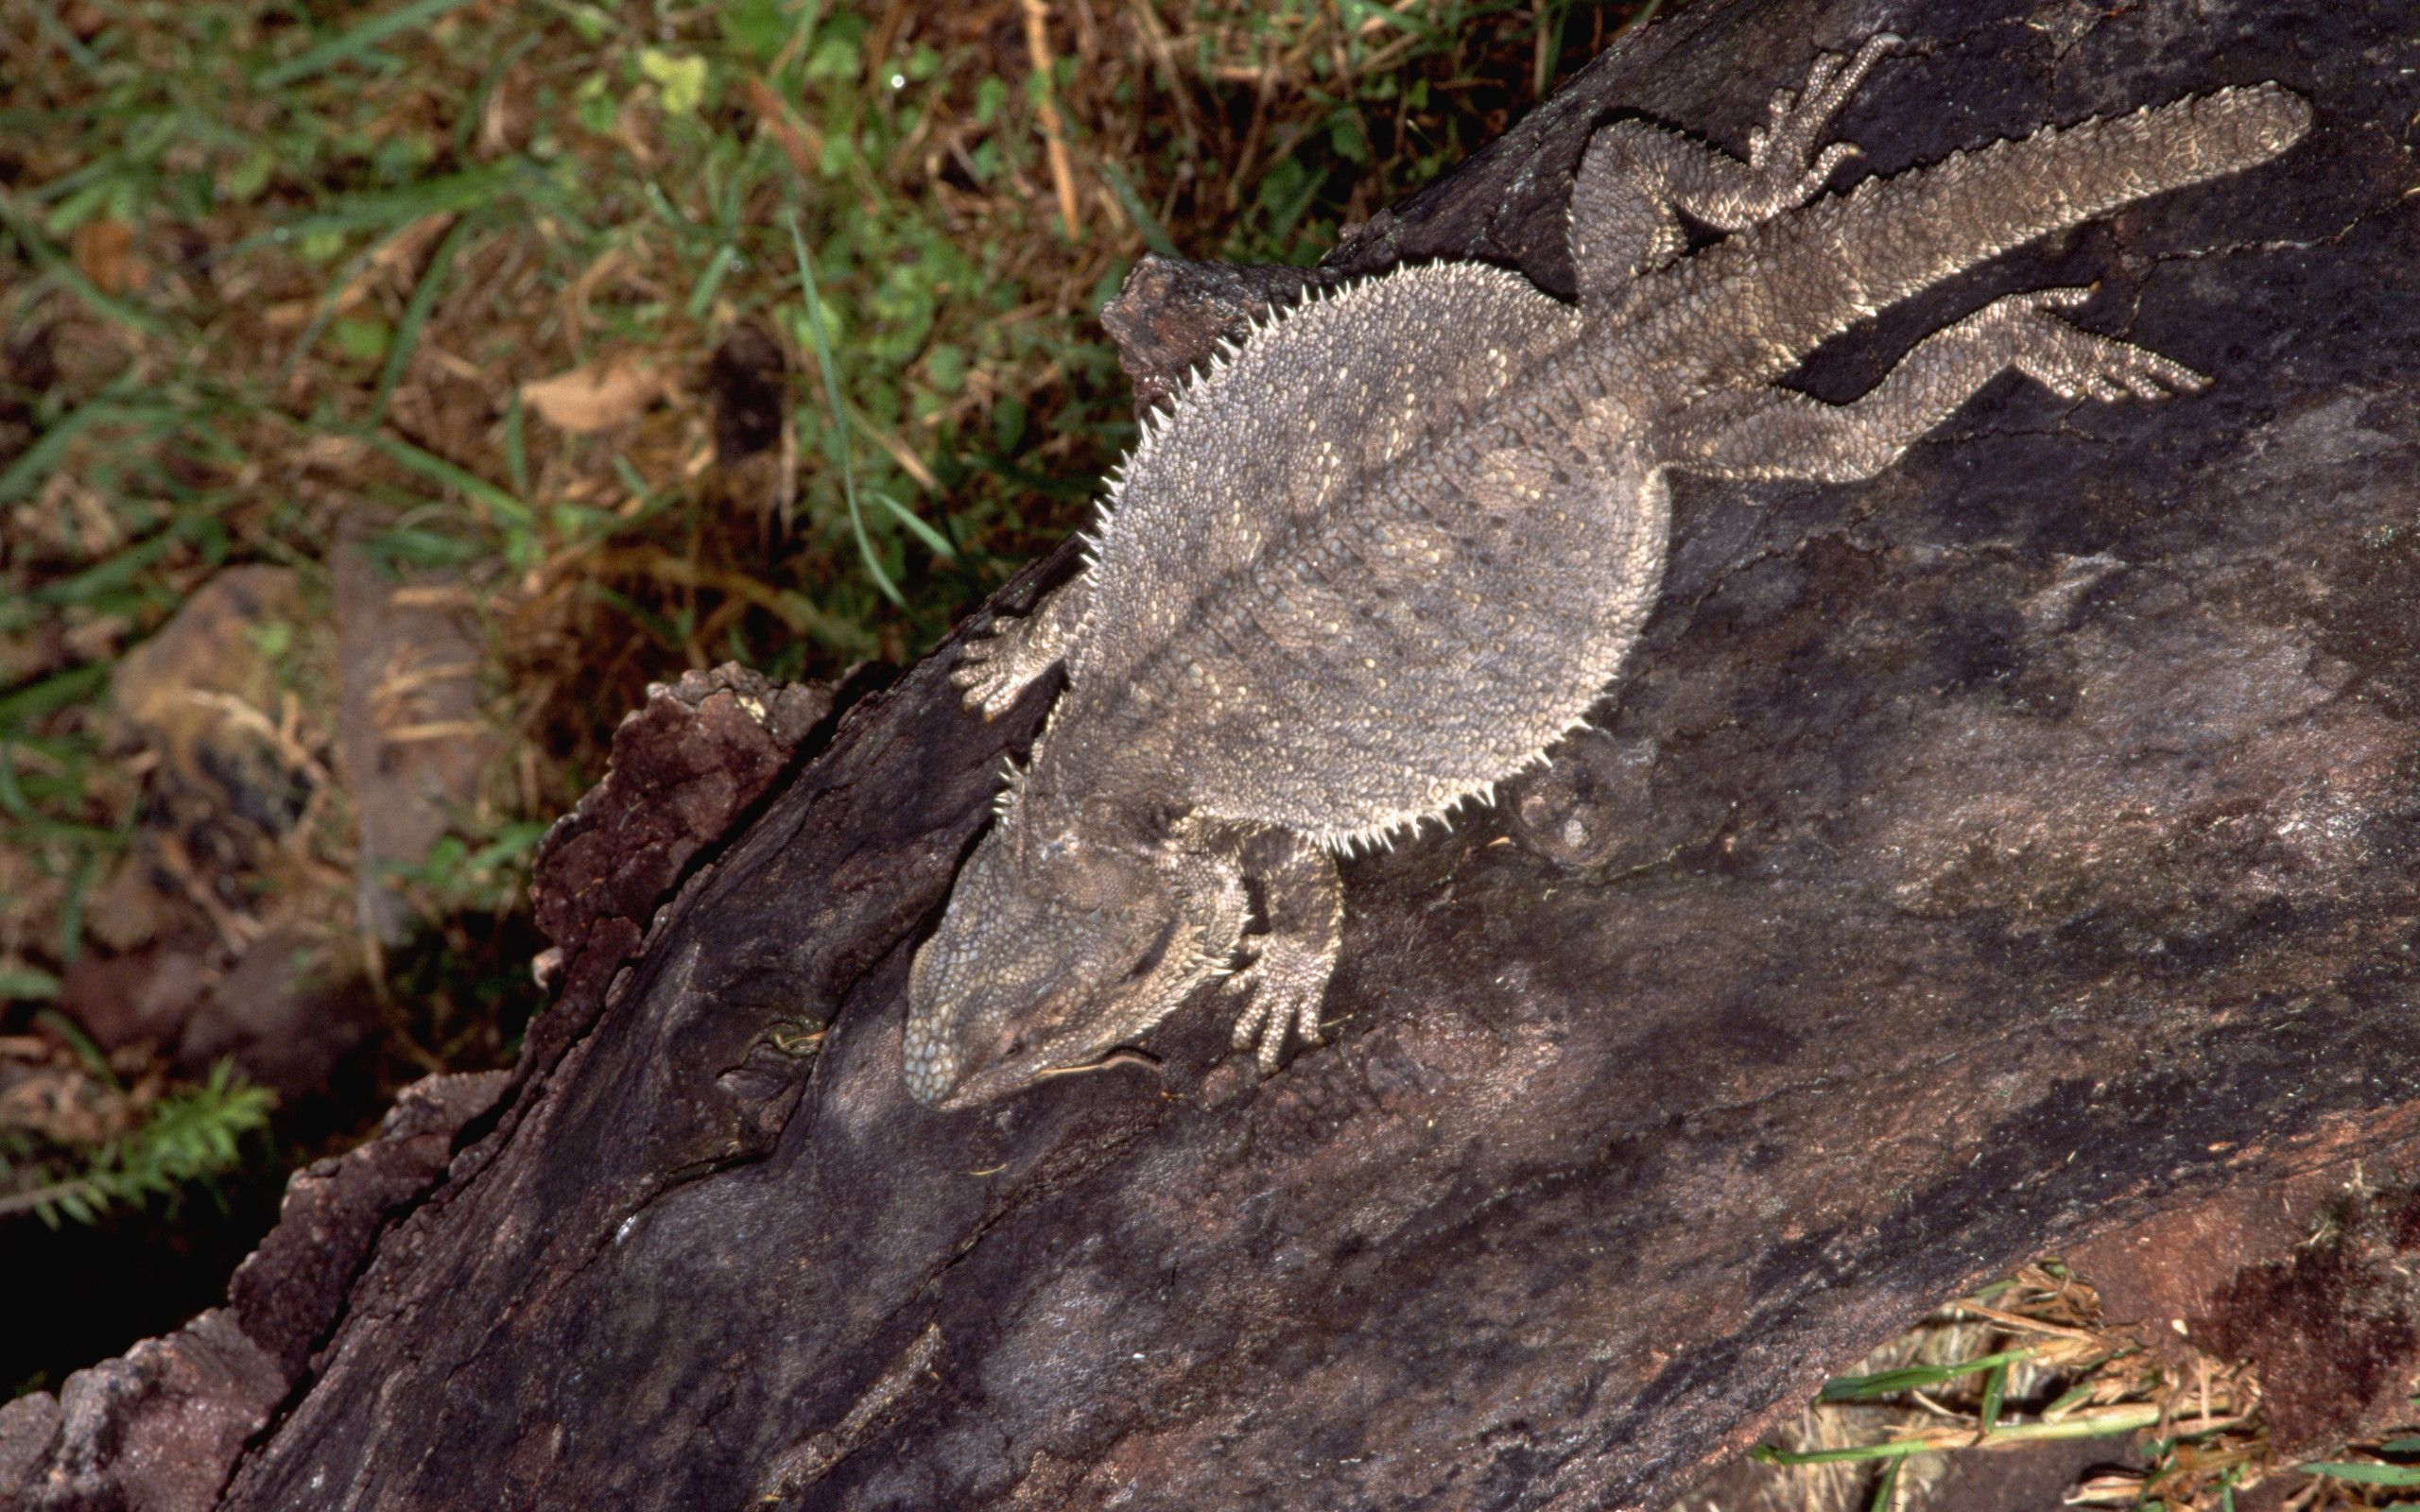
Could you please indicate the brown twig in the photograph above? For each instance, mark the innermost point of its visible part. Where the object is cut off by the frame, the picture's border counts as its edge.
(1054, 134)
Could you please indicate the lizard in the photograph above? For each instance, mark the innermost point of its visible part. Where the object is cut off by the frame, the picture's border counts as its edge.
(1384, 553)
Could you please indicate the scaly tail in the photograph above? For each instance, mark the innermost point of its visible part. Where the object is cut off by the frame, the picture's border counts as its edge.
(1752, 307)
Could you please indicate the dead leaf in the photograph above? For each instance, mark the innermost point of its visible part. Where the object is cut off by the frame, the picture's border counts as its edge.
(105, 253)
(402, 250)
(799, 140)
(595, 396)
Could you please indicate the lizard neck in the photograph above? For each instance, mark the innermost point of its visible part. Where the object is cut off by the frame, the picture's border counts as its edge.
(1072, 787)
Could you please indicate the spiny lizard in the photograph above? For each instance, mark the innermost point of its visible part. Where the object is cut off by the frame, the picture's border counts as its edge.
(1386, 553)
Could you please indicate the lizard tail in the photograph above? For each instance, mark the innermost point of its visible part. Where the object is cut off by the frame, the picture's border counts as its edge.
(1777, 291)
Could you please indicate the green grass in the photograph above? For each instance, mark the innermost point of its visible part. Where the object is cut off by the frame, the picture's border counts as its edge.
(2195, 1424)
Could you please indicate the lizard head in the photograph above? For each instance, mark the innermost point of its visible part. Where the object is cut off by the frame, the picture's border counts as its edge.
(1060, 944)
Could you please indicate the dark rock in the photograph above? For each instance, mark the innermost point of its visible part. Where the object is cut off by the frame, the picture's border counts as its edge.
(2175, 1265)
(159, 1428)
(292, 1288)
(748, 377)
(1170, 315)
(287, 1014)
(28, 1431)
(684, 769)
(2334, 1330)
(152, 1432)
(2035, 1478)
(145, 998)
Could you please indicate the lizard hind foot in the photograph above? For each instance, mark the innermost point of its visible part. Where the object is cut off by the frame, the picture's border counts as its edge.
(2078, 364)
(1783, 149)
(994, 668)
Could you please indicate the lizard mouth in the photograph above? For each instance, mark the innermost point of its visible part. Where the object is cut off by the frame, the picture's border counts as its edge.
(1015, 1076)
(1119, 1056)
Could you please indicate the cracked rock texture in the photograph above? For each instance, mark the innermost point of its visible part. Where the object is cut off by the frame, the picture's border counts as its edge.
(161, 1429)
(2010, 853)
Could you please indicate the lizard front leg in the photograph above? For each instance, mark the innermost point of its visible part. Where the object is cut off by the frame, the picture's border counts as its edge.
(1637, 180)
(1773, 432)
(993, 669)
(1303, 901)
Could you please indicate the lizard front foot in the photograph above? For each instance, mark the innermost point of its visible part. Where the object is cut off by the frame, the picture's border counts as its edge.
(994, 670)
(1278, 991)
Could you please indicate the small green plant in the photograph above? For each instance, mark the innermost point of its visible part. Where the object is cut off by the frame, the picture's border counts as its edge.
(475, 874)
(2100, 1384)
(189, 1135)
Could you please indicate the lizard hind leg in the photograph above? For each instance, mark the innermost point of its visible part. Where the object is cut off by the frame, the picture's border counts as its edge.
(1636, 179)
(1281, 988)
(1779, 433)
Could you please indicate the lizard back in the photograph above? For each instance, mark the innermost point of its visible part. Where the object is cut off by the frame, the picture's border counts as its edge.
(1319, 589)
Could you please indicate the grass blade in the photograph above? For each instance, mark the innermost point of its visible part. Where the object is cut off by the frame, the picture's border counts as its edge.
(932, 539)
(1852, 1389)
(2364, 1474)
(23, 983)
(35, 463)
(395, 208)
(352, 43)
(839, 416)
(12, 804)
(2107, 1423)
(1898, 1450)
(633, 480)
(516, 446)
(1140, 214)
(399, 350)
(507, 509)
(718, 266)
(63, 272)
(27, 704)
(476, 110)
(71, 908)
(96, 1065)
(1886, 1491)
(116, 573)
(55, 32)
(1363, 12)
